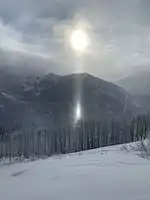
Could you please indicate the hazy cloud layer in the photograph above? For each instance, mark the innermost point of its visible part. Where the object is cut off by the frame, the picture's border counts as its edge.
(35, 33)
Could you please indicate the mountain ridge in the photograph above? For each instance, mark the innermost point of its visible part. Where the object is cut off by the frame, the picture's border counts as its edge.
(53, 99)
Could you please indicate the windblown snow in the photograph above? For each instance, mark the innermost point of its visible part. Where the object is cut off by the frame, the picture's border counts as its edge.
(109, 173)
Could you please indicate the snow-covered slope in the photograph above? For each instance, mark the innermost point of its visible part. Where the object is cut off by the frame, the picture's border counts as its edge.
(108, 173)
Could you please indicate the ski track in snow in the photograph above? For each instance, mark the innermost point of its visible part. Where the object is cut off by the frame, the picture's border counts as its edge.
(107, 173)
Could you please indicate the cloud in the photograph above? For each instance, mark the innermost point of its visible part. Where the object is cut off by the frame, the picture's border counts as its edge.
(12, 40)
(36, 33)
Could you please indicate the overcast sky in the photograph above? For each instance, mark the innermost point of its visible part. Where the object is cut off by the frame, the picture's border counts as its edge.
(34, 33)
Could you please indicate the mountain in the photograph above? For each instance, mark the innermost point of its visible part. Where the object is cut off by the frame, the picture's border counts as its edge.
(98, 98)
(138, 86)
(138, 83)
(52, 99)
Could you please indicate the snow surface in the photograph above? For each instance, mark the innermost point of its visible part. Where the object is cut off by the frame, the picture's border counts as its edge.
(109, 173)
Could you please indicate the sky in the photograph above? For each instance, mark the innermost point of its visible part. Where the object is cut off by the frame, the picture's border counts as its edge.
(35, 34)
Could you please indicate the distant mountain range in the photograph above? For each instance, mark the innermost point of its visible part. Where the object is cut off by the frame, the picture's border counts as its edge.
(138, 85)
(51, 99)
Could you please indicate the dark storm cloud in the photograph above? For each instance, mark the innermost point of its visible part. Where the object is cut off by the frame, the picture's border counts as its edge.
(34, 32)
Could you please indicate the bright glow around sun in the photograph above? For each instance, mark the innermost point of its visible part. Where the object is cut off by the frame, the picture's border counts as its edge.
(78, 112)
(79, 40)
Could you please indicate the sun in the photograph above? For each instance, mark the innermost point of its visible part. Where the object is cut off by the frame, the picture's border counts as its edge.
(79, 40)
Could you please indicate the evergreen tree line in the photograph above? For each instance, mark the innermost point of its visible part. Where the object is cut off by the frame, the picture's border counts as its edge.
(69, 139)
